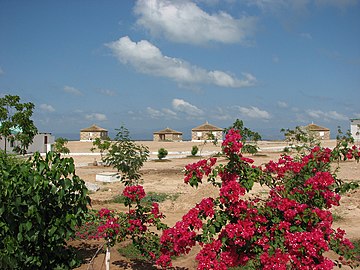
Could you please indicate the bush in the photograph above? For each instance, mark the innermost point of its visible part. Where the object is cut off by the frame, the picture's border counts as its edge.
(41, 203)
(194, 150)
(162, 153)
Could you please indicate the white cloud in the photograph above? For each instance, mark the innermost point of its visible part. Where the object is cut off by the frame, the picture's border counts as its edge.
(47, 108)
(254, 112)
(183, 21)
(187, 108)
(72, 90)
(306, 35)
(107, 92)
(148, 59)
(96, 117)
(163, 113)
(275, 59)
(1, 71)
(154, 113)
(282, 104)
(330, 115)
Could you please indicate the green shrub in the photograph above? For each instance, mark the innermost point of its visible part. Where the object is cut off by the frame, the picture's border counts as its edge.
(42, 202)
(162, 153)
(194, 150)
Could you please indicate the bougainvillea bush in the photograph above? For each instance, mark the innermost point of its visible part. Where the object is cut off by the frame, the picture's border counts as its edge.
(290, 228)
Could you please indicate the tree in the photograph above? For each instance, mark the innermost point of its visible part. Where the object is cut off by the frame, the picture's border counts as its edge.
(126, 156)
(42, 202)
(15, 122)
(162, 153)
(102, 145)
(194, 150)
(300, 139)
(247, 136)
(59, 146)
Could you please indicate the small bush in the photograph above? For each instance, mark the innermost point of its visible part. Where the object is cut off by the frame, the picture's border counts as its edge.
(194, 150)
(162, 153)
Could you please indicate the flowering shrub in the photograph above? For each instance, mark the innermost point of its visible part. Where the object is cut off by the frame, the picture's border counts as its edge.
(291, 228)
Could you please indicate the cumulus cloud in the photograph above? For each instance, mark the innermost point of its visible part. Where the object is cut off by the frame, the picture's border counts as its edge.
(96, 117)
(72, 90)
(163, 113)
(107, 92)
(306, 35)
(187, 108)
(282, 104)
(330, 115)
(185, 22)
(47, 108)
(148, 59)
(254, 112)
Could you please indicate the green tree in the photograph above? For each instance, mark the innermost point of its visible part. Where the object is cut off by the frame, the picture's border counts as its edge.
(162, 153)
(42, 201)
(102, 145)
(60, 146)
(15, 122)
(126, 156)
(249, 138)
(300, 139)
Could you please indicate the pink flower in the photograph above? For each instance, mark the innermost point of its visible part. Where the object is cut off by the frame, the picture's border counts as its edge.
(134, 193)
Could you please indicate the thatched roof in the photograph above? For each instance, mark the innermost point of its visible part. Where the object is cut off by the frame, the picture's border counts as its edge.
(168, 131)
(93, 128)
(207, 127)
(313, 127)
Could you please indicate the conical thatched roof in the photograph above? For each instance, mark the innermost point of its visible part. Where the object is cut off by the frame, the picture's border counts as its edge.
(207, 127)
(93, 128)
(168, 131)
(313, 127)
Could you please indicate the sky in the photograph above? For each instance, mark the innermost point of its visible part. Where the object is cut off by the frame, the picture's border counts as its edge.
(152, 64)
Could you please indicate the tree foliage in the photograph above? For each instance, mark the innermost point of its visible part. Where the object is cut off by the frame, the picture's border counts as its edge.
(126, 156)
(300, 139)
(15, 122)
(102, 145)
(60, 146)
(42, 201)
(249, 138)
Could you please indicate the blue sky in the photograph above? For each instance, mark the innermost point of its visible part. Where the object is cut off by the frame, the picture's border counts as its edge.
(152, 64)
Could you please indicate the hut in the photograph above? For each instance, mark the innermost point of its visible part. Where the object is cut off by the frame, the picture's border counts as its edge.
(355, 129)
(319, 132)
(93, 132)
(206, 132)
(167, 134)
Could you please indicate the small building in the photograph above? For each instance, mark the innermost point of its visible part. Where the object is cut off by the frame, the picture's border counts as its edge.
(93, 132)
(319, 132)
(167, 134)
(206, 132)
(355, 129)
(41, 143)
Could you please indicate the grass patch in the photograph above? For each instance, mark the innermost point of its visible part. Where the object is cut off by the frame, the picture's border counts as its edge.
(337, 217)
(131, 252)
(149, 198)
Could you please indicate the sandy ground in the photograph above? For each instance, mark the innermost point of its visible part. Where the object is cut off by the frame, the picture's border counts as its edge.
(167, 177)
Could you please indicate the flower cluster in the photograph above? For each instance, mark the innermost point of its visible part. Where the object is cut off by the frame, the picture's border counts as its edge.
(196, 171)
(134, 193)
(232, 143)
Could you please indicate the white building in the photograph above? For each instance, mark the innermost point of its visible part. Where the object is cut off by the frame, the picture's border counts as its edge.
(41, 143)
(355, 129)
